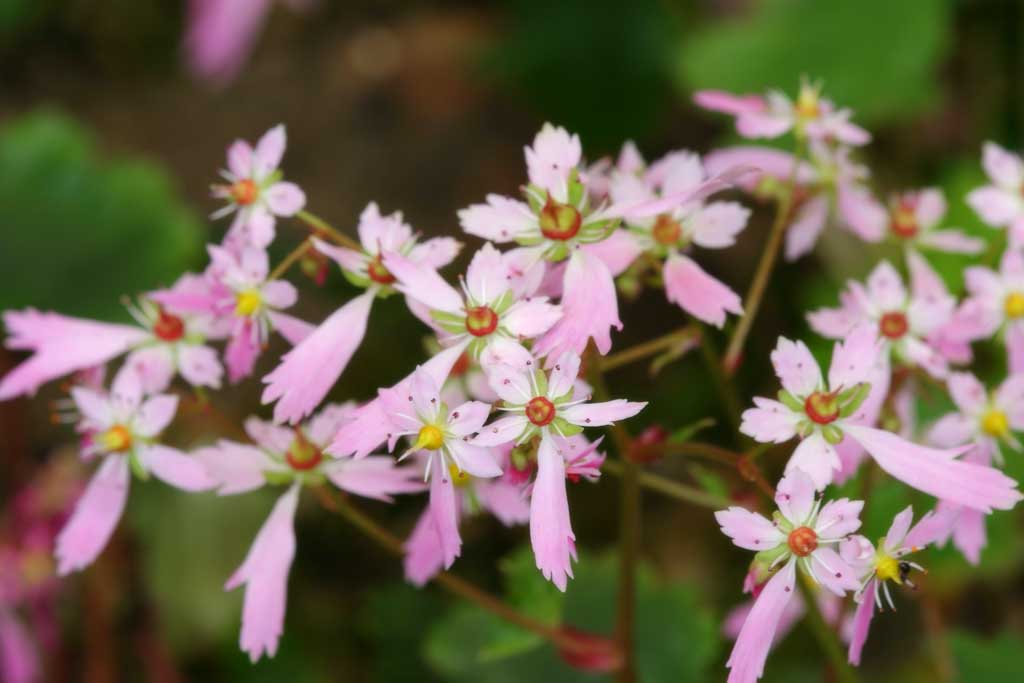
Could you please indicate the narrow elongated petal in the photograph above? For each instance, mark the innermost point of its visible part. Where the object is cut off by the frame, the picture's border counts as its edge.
(309, 370)
(269, 151)
(19, 656)
(421, 282)
(242, 351)
(951, 430)
(803, 233)
(444, 513)
(177, 469)
(618, 251)
(936, 472)
(423, 554)
(862, 622)
(504, 500)
(601, 414)
(234, 467)
(699, 294)
(746, 663)
(95, 517)
(501, 431)
(265, 575)
(550, 528)
(590, 308)
(374, 477)
(289, 327)
(748, 529)
(899, 528)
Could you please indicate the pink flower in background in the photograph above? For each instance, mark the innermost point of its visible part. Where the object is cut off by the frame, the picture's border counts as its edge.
(775, 114)
(121, 430)
(292, 457)
(544, 405)
(914, 218)
(829, 603)
(798, 535)
(255, 192)
(905, 321)
(1000, 204)
(307, 372)
(995, 307)
(823, 414)
(830, 187)
(984, 419)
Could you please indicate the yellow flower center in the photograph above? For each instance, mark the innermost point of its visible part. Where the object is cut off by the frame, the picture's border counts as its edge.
(807, 102)
(995, 423)
(887, 568)
(430, 437)
(1015, 305)
(248, 302)
(459, 478)
(117, 439)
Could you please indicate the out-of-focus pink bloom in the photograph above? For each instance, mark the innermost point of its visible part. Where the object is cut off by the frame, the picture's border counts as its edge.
(905, 321)
(121, 429)
(829, 604)
(984, 419)
(769, 116)
(292, 457)
(878, 566)
(829, 186)
(671, 234)
(798, 535)
(823, 414)
(995, 307)
(545, 405)
(255, 192)
(488, 314)
(1000, 204)
(914, 218)
(307, 372)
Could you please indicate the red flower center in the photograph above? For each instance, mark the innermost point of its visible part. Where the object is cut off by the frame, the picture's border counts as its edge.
(378, 273)
(168, 328)
(822, 408)
(302, 455)
(893, 325)
(559, 221)
(540, 411)
(481, 321)
(903, 221)
(666, 230)
(803, 541)
(244, 192)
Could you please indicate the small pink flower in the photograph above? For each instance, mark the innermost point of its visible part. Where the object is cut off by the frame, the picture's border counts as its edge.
(121, 429)
(1000, 204)
(810, 116)
(823, 414)
(914, 218)
(292, 457)
(905, 321)
(984, 419)
(255, 192)
(995, 307)
(798, 535)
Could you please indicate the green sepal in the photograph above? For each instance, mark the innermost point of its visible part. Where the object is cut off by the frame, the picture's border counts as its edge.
(535, 197)
(832, 434)
(357, 280)
(313, 478)
(503, 302)
(790, 401)
(541, 378)
(557, 252)
(277, 478)
(136, 466)
(767, 558)
(852, 399)
(530, 240)
(577, 192)
(783, 524)
(564, 427)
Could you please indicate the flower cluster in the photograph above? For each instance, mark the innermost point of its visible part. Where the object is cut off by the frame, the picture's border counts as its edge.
(496, 421)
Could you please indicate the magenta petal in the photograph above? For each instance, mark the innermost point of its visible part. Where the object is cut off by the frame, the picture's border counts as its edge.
(746, 663)
(19, 659)
(242, 351)
(444, 512)
(423, 554)
(550, 527)
(590, 309)
(862, 622)
(95, 517)
(309, 370)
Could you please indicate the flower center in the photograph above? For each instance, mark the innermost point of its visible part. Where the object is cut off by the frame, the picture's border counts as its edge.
(540, 411)
(248, 302)
(481, 321)
(117, 439)
(904, 221)
(302, 455)
(887, 568)
(822, 408)
(559, 221)
(430, 437)
(168, 328)
(803, 541)
(807, 106)
(378, 273)
(666, 230)
(244, 192)
(459, 477)
(1014, 305)
(995, 423)
(893, 325)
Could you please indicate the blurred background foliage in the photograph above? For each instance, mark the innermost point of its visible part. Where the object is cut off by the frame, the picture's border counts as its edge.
(107, 148)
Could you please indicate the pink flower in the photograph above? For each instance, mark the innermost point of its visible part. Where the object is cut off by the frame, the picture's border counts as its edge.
(544, 405)
(823, 414)
(488, 315)
(878, 566)
(798, 535)
(984, 419)
(293, 457)
(19, 657)
(249, 301)
(914, 217)
(121, 429)
(307, 372)
(1000, 204)
(255, 192)
(774, 114)
(905, 321)
(671, 234)
(995, 306)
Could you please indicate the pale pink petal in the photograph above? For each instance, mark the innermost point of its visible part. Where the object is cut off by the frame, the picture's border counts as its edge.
(864, 215)
(967, 392)
(504, 351)
(200, 365)
(279, 294)
(376, 476)
(1003, 167)
(838, 518)
(421, 282)
(347, 259)
(554, 153)
(424, 556)
(265, 575)
(862, 622)
(173, 467)
(936, 472)
(1015, 348)
(468, 418)
(154, 365)
(969, 535)
(770, 421)
(601, 414)
(1010, 398)
(436, 252)
(806, 227)
(504, 500)
(796, 367)
(951, 430)
(677, 172)
(126, 390)
(257, 225)
(501, 431)
(95, 517)
(816, 458)
(897, 532)
(590, 308)
(444, 513)
(155, 414)
(953, 241)
(717, 224)
(746, 662)
(698, 293)
(795, 496)
(564, 374)
(749, 530)
(221, 35)
(833, 572)
(727, 103)
(762, 125)
(234, 467)
(475, 460)
(499, 220)
(550, 528)
(242, 351)
(269, 151)
(307, 372)
(94, 406)
(854, 359)
(485, 276)
(531, 317)
(765, 161)
(996, 206)
(618, 251)
(285, 199)
(885, 287)
(834, 323)
(240, 159)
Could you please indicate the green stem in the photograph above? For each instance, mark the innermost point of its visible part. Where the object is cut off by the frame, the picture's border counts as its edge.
(323, 226)
(723, 385)
(825, 634)
(290, 260)
(648, 348)
(668, 487)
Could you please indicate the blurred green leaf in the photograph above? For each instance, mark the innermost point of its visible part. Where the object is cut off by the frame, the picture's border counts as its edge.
(877, 56)
(980, 660)
(80, 232)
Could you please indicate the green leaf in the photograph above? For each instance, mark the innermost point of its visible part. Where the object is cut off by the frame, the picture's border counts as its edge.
(979, 660)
